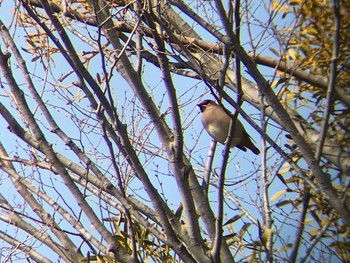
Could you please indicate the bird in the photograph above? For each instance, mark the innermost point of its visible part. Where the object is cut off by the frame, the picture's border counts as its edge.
(217, 123)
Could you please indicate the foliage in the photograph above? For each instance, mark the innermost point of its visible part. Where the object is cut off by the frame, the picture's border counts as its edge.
(310, 48)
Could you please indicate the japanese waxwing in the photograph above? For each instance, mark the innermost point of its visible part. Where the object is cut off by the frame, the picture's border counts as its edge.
(217, 123)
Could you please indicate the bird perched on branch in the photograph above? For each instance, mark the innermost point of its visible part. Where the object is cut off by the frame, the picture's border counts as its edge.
(217, 123)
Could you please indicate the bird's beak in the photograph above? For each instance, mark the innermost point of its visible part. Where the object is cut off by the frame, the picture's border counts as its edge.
(201, 107)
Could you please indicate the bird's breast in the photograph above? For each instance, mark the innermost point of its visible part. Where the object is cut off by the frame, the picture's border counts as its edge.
(217, 131)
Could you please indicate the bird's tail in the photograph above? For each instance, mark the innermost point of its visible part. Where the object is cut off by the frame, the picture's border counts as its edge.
(247, 142)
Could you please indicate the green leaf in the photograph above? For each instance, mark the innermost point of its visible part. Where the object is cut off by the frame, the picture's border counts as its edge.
(233, 219)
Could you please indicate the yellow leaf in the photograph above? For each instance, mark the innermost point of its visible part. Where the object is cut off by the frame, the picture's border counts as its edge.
(285, 168)
(309, 220)
(266, 235)
(325, 221)
(339, 187)
(314, 232)
(296, 2)
(285, 247)
(293, 54)
(278, 194)
(99, 259)
(244, 230)
(305, 47)
(310, 31)
(274, 51)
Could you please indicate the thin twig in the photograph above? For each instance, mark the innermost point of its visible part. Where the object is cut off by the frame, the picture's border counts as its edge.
(332, 80)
